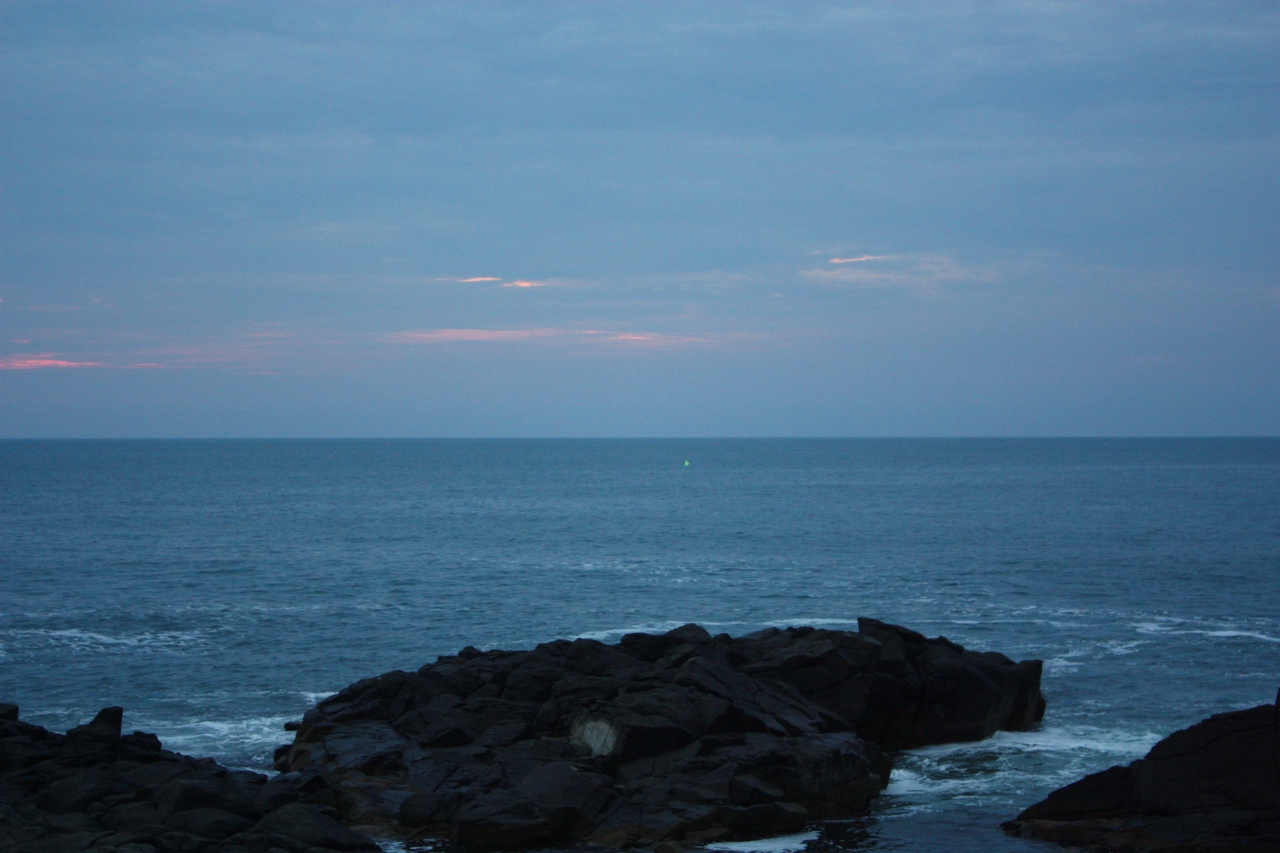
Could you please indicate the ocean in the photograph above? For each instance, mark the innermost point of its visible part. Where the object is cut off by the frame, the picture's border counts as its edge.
(217, 589)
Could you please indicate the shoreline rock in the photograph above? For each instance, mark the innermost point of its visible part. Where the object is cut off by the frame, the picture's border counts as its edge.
(679, 737)
(1211, 787)
(95, 789)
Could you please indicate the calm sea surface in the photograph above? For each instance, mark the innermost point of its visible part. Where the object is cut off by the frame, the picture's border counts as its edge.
(217, 589)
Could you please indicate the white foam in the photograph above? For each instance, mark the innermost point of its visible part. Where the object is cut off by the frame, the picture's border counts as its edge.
(802, 622)
(663, 627)
(778, 844)
(1253, 635)
(396, 845)
(80, 640)
(1123, 647)
(249, 739)
(316, 698)
(611, 633)
(1224, 632)
(1006, 765)
(1055, 739)
(904, 782)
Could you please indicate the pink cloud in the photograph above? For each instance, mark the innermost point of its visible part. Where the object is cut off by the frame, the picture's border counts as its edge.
(480, 278)
(520, 282)
(36, 362)
(858, 259)
(444, 336)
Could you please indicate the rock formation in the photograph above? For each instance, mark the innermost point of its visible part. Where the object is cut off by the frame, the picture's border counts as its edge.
(1212, 787)
(95, 790)
(678, 737)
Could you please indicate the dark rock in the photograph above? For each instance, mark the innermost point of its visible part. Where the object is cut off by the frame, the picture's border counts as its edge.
(131, 816)
(1214, 786)
(678, 737)
(207, 823)
(93, 789)
(419, 810)
(190, 793)
(75, 793)
(307, 825)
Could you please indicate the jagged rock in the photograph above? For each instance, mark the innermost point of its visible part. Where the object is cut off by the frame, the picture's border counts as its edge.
(680, 737)
(94, 789)
(1214, 786)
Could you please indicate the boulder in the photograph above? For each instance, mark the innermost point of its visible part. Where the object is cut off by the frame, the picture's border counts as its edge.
(1214, 786)
(93, 789)
(681, 737)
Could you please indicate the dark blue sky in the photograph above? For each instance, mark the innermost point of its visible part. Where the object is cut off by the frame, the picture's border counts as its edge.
(367, 219)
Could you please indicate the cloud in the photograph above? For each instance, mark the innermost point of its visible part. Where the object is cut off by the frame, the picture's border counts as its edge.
(858, 259)
(447, 336)
(907, 271)
(477, 279)
(37, 362)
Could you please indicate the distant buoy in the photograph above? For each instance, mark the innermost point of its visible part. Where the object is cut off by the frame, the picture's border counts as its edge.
(686, 463)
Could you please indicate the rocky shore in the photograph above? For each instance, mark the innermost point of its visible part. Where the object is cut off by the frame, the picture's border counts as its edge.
(657, 742)
(1211, 788)
(674, 739)
(96, 789)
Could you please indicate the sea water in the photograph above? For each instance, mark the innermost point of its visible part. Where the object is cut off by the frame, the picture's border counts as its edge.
(217, 589)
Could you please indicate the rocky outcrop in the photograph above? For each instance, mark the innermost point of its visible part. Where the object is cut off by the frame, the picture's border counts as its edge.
(680, 737)
(1212, 787)
(93, 789)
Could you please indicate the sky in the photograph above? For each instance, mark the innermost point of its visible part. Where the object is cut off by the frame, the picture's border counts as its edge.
(369, 219)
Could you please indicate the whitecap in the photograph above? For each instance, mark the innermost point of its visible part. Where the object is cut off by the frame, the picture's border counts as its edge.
(396, 845)
(1053, 739)
(247, 741)
(80, 640)
(647, 628)
(1253, 635)
(316, 698)
(1006, 765)
(778, 844)
(1224, 632)
(813, 623)
(1122, 647)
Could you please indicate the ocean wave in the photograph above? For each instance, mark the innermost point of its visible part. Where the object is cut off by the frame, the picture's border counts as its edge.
(643, 628)
(1172, 626)
(662, 627)
(1052, 739)
(1253, 635)
(778, 844)
(1007, 765)
(249, 742)
(424, 845)
(816, 623)
(80, 640)
(313, 699)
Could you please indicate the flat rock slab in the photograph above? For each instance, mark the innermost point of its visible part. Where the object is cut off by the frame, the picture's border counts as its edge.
(1212, 787)
(93, 789)
(680, 737)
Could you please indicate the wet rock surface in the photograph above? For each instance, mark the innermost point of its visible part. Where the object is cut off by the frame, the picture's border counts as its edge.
(677, 738)
(1214, 786)
(94, 789)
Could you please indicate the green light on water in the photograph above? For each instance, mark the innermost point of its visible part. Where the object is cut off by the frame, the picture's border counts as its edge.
(686, 463)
